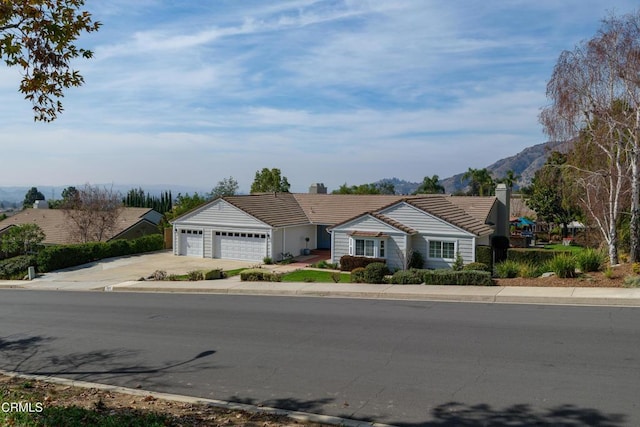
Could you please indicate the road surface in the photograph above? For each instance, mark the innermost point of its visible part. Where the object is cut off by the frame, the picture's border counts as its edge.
(397, 362)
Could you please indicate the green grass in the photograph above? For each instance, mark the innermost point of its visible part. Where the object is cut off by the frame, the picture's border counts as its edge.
(313, 276)
(231, 273)
(561, 247)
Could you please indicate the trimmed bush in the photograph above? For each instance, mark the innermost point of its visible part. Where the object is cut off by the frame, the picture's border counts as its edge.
(484, 254)
(357, 275)
(375, 272)
(259, 275)
(461, 278)
(590, 260)
(533, 256)
(408, 277)
(416, 260)
(564, 266)
(195, 275)
(214, 274)
(16, 267)
(348, 262)
(63, 256)
(507, 269)
(477, 266)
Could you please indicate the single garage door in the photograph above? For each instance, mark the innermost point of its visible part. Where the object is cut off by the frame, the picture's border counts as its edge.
(240, 246)
(191, 243)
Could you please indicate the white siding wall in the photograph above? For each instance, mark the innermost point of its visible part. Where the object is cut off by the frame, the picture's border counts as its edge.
(395, 243)
(222, 213)
(294, 238)
(422, 221)
(463, 245)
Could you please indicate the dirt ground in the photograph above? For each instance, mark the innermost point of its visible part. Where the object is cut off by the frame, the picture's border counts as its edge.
(117, 405)
(586, 280)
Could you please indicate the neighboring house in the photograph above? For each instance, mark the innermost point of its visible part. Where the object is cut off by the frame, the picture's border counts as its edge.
(256, 226)
(132, 223)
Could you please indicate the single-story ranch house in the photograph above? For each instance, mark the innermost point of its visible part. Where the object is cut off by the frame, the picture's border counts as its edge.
(253, 227)
(131, 223)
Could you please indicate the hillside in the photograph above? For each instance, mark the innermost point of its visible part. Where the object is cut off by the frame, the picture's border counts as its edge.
(524, 164)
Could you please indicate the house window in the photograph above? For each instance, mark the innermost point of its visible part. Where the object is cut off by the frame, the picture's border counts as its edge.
(371, 248)
(439, 249)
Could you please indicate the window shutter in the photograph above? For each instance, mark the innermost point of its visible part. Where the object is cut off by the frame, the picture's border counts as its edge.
(350, 246)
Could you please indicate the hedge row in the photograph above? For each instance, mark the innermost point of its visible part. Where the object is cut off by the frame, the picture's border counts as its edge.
(349, 263)
(63, 256)
(535, 256)
(450, 277)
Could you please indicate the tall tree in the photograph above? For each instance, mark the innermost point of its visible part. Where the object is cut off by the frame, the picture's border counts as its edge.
(270, 180)
(39, 36)
(595, 94)
(225, 187)
(30, 198)
(509, 179)
(430, 186)
(550, 194)
(480, 182)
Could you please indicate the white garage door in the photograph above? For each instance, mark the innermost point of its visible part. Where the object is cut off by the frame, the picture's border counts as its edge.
(191, 243)
(241, 246)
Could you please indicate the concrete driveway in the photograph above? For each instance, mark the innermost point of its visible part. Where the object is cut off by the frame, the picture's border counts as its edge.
(111, 271)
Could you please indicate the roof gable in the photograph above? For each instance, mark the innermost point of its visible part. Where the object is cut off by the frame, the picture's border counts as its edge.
(442, 207)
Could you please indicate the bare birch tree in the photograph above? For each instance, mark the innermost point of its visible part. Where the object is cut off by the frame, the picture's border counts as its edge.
(595, 94)
(92, 215)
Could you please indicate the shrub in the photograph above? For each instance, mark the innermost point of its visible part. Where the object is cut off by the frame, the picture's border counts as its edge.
(608, 273)
(16, 267)
(458, 264)
(507, 269)
(348, 262)
(564, 266)
(464, 278)
(408, 277)
(214, 274)
(631, 282)
(336, 277)
(259, 275)
(590, 260)
(357, 275)
(416, 260)
(635, 267)
(195, 275)
(159, 275)
(62, 256)
(267, 260)
(484, 254)
(478, 266)
(528, 269)
(375, 272)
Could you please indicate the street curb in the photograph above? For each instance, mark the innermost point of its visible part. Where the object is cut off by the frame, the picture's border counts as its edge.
(501, 296)
(294, 415)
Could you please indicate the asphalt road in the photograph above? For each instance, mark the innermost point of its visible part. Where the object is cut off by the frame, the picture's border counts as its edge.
(397, 362)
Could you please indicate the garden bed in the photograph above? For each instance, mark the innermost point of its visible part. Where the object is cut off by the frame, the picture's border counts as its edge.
(587, 280)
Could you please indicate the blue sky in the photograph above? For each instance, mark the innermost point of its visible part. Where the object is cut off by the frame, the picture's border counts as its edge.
(187, 92)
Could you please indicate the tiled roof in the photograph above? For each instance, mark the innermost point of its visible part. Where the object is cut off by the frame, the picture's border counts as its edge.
(393, 223)
(331, 209)
(477, 207)
(444, 208)
(275, 209)
(54, 222)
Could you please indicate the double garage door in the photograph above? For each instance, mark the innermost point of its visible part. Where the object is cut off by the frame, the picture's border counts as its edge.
(240, 246)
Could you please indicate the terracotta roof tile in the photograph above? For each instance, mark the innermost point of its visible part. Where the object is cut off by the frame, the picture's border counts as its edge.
(331, 209)
(54, 223)
(275, 209)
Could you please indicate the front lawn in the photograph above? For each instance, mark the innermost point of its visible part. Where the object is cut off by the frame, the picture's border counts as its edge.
(314, 276)
(561, 247)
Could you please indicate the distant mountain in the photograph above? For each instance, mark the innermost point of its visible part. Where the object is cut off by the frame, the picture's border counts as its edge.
(524, 164)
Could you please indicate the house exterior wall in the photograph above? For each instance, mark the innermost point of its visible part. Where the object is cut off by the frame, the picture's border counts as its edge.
(395, 243)
(218, 216)
(433, 228)
(291, 240)
(143, 228)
